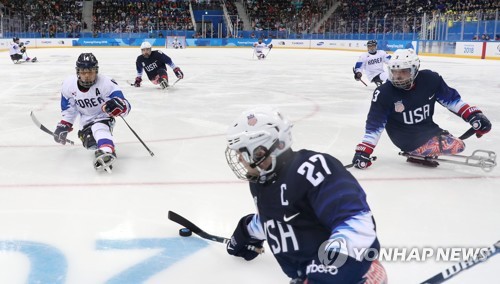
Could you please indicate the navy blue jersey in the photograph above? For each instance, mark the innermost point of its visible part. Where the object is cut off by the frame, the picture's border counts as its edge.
(157, 60)
(312, 195)
(407, 114)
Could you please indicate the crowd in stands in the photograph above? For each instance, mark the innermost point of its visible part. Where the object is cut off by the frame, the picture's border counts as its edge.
(45, 17)
(50, 17)
(125, 16)
(404, 15)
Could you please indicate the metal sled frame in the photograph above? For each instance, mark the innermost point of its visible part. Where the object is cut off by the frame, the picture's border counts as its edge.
(484, 159)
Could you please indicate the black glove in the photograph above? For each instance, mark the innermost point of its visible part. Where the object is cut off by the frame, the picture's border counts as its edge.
(61, 132)
(270, 46)
(138, 81)
(477, 119)
(242, 243)
(178, 73)
(23, 49)
(480, 123)
(361, 159)
(357, 76)
(115, 107)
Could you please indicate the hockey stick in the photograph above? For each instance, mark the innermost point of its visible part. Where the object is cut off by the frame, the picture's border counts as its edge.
(178, 79)
(461, 266)
(45, 129)
(143, 144)
(195, 229)
(468, 134)
(373, 159)
(353, 71)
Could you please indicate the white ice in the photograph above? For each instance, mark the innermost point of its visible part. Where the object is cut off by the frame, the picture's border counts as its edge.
(61, 222)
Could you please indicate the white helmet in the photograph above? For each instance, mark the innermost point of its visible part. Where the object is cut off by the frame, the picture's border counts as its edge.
(256, 134)
(145, 45)
(404, 59)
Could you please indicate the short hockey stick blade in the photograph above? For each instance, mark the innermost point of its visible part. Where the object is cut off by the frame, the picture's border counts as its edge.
(195, 229)
(468, 134)
(373, 159)
(461, 266)
(45, 129)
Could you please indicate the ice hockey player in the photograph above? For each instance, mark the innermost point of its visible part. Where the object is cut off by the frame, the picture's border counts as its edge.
(259, 47)
(372, 62)
(311, 210)
(176, 43)
(155, 64)
(404, 106)
(17, 52)
(97, 99)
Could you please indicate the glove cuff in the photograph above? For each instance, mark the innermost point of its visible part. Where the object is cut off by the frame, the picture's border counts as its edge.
(64, 122)
(365, 147)
(467, 111)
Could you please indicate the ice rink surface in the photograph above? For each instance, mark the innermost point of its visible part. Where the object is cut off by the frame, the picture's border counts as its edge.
(62, 222)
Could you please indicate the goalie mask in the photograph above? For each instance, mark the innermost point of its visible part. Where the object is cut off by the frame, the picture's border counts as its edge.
(86, 69)
(403, 68)
(256, 135)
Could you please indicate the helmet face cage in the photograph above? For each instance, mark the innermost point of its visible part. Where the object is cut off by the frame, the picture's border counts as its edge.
(87, 62)
(372, 46)
(403, 59)
(255, 136)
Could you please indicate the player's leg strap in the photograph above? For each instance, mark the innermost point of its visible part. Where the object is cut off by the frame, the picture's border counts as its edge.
(87, 137)
(377, 80)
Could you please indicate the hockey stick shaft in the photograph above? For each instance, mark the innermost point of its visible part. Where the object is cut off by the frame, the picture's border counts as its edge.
(354, 71)
(461, 266)
(45, 129)
(195, 229)
(178, 79)
(139, 138)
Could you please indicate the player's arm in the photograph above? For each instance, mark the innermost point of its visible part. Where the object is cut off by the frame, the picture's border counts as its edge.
(69, 114)
(451, 99)
(138, 67)
(358, 67)
(374, 127)
(340, 205)
(247, 238)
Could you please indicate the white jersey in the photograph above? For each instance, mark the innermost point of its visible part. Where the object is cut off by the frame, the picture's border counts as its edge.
(373, 64)
(14, 48)
(88, 104)
(259, 47)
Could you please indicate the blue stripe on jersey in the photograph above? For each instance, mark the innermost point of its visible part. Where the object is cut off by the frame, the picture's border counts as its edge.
(255, 229)
(117, 94)
(64, 103)
(358, 65)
